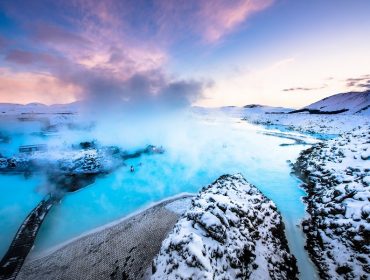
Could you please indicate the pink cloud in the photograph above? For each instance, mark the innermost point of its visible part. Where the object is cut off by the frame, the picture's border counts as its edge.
(107, 45)
(26, 57)
(49, 33)
(211, 20)
(222, 17)
(166, 21)
(25, 87)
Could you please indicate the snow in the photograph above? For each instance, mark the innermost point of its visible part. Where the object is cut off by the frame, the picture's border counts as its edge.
(97, 160)
(340, 199)
(316, 125)
(179, 206)
(239, 112)
(39, 108)
(320, 125)
(338, 203)
(353, 102)
(231, 231)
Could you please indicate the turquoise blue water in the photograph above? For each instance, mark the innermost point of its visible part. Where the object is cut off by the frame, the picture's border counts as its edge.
(197, 153)
(18, 197)
(285, 128)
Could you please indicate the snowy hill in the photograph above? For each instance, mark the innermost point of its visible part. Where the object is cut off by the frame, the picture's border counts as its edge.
(348, 103)
(256, 108)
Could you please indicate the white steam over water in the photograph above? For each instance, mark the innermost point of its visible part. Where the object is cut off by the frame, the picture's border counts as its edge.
(198, 148)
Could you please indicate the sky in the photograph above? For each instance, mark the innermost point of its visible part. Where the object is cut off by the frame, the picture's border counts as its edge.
(183, 52)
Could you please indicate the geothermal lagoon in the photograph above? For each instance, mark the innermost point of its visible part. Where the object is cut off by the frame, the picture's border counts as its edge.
(198, 149)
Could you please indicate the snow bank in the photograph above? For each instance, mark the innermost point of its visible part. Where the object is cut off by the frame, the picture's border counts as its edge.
(231, 231)
(308, 123)
(337, 173)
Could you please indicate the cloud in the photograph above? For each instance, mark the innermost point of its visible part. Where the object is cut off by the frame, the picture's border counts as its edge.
(29, 58)
(222, 17)
(50, 33)
(22, 87)
(104, 87)
(149, 90)
(209, 21)
(164, 22)
(362, 82)
(305, 88)
(114, 51)
(3, 42)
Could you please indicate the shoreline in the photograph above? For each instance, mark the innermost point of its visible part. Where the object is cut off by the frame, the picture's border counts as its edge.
(42, 254)
(123, 248)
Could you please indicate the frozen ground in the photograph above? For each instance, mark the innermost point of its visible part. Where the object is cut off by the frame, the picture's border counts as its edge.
(231, 231)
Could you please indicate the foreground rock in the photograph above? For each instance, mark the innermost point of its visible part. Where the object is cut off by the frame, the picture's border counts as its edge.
(337, 176)
(231, 231)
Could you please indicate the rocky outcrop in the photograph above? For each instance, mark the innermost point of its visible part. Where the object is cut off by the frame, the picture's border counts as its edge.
(337, 179)
(231, 231)
(74, 167)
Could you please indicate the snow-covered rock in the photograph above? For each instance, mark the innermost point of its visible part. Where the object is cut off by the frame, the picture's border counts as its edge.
(319, 125)
(336, 173)
(82, 161)
(231, 231)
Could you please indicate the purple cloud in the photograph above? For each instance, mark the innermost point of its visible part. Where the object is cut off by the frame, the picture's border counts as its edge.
(49, 33)
(304, 88)
(30, 58)
(118, 50)
(360, 82)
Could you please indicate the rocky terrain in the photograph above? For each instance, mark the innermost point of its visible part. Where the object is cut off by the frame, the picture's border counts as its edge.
(337, 179)
(88, 159)
(231, 231)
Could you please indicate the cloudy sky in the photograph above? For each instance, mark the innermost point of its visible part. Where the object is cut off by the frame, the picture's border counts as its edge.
(183, 52)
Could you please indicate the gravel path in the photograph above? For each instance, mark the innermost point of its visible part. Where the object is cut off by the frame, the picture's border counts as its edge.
(122, 251)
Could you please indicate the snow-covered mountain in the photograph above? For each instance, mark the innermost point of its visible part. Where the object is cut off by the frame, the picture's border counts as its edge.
(38, 108)
(348, 103)
(256, 108)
